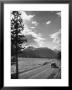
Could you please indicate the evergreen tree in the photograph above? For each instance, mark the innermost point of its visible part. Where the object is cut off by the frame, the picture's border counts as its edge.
(17, 38)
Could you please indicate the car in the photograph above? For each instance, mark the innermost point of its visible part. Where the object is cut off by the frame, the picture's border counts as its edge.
(53, 65)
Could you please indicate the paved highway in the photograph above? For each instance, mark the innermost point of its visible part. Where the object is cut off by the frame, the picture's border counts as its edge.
(42, 72)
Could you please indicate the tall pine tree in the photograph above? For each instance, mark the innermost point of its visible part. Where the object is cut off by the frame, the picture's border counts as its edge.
(17, 38)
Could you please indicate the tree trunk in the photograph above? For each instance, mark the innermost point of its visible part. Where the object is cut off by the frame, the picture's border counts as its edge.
(16, 56)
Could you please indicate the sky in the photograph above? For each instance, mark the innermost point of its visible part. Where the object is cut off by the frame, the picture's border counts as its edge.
(42, 28)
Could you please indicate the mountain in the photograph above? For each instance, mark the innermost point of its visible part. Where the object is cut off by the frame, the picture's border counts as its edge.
(46, 52)
(32, 52)
(57, 50)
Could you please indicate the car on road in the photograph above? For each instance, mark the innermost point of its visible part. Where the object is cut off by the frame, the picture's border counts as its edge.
(54, 65)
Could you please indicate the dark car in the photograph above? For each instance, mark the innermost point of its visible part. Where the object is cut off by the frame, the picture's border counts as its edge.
(53, 65)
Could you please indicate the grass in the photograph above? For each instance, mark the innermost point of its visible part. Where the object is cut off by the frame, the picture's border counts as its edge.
(26, 64)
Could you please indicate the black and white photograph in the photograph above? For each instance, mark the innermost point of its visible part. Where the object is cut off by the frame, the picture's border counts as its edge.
(35, 44)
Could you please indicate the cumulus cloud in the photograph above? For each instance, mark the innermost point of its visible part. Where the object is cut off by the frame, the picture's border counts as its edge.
(48, 22)
(35, 23)
(58, 13)
(33, 38)
(25, 16)
(56, 39)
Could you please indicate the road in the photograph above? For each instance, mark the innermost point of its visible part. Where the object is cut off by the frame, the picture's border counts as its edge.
(42, 72)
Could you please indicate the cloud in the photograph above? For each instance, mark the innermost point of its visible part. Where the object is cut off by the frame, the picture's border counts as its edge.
(26, 17)
(33, 38)
(59, 14)
(35, 23)
(56, 39)
(48, 22)
(32, 27)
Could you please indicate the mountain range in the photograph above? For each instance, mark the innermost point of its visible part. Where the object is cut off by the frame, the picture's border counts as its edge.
(32, 52)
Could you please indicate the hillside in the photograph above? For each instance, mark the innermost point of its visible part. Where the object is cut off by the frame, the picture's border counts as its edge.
(31, 52)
